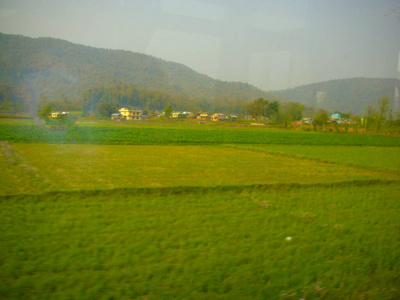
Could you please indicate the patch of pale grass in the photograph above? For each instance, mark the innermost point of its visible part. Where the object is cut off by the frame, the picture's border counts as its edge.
(114, 166)
(368, 156)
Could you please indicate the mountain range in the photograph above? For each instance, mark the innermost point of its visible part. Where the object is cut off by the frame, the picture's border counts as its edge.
(344, 95)
(52, 67)
(31, 68)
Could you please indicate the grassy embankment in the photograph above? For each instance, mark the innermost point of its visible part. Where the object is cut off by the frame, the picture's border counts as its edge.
(200, 221)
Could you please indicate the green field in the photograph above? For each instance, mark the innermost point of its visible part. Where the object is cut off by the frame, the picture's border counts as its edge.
(179, 133)
(387, 158)
(192, 212)
(44, 167)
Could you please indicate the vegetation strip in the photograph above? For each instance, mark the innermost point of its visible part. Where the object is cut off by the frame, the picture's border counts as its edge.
(178, 190)
(162, 136)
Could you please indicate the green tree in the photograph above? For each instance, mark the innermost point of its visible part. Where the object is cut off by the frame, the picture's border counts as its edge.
(106, 109)
(321, 119)
(258, 108)
(383, 106)
(273, 110)
(46, 111)
(356, 120)
(290, 112)
(168, 111)
(369, 116)
(62, 117)
(43, 101)
(346, 116)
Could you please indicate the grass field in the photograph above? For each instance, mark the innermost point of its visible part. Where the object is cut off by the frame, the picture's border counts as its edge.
(64, 167)
(192, 134)
(209, 245)
(255, 220)
(387, 158)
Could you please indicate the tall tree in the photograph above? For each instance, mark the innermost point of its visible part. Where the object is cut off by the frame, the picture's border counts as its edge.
(46, 111)
(258, 108)
(168, 111)
(290, 112)
(369, 116)
(273, 110)
(383, 108)
(106, 109)
(321, 119)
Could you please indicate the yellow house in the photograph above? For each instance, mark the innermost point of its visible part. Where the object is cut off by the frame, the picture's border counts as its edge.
(203, 116)
(54, 115)
(176, 114)
(218, 117)
(128, 114)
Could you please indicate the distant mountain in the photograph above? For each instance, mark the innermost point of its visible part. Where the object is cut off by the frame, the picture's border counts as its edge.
(345, 95)
(55, 68)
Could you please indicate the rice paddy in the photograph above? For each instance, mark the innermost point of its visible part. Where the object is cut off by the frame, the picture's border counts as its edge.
(200, 221)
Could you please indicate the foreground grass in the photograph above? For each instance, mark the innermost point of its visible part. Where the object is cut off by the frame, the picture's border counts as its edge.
(203, 245)
(28, 168)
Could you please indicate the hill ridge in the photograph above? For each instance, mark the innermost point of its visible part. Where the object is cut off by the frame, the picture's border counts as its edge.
(53, 67)
(345, 95)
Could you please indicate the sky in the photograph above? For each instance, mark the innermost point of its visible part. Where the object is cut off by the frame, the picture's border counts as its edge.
(273, 44)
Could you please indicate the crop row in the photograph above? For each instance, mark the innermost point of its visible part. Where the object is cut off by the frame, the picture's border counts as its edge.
(117, 135)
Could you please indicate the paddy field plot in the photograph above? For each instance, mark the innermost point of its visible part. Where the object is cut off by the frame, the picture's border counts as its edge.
(141, 134)
(284, 216)
(385, 158)
(43, 167)
(216, 244)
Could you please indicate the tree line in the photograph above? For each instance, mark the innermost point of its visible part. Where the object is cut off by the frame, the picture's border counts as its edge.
(375, 118)
(103, 101)
(276, 112)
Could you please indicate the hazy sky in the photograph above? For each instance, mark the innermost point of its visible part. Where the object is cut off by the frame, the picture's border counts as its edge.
(270, 44)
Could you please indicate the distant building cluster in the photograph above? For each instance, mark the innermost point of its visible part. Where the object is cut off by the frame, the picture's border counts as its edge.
(216, 117)
(129, 114)
(333, 118)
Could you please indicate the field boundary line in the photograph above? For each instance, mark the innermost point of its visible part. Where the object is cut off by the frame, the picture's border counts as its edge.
(316, 159)
(177, 190)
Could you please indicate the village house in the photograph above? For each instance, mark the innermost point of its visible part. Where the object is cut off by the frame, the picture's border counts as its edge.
(299, 122)
(180, 115)
(56, 115)
(128, 114)
(218, 117)
(116, 116)
(204, 116)
(176, 114)
(303, 121)
(233, 118)
(185, 114)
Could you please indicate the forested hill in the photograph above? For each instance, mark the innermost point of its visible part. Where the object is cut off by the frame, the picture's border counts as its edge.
(345, 95)
(52, 68)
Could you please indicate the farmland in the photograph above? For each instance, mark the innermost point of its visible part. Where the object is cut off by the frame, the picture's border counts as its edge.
(197, 212)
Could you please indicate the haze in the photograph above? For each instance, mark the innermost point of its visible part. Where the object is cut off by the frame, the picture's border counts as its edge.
(270, 44)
